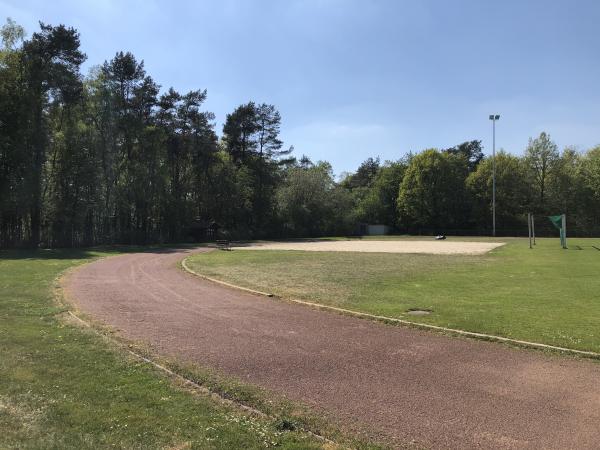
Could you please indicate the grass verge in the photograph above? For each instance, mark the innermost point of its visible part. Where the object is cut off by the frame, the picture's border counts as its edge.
(66, 387)
(547, 295)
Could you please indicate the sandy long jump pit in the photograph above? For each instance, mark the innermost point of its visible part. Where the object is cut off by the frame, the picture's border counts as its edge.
(373, 246)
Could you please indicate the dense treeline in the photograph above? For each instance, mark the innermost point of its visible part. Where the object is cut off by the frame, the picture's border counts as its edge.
(110, 158)
(450, 190)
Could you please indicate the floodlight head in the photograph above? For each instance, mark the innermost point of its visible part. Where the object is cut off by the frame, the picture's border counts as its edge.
(497, 116)
(491, 117)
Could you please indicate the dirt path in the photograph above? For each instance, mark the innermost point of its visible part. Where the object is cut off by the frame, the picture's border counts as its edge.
(441, 392)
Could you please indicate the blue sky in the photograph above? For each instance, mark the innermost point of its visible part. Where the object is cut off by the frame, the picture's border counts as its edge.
(354, 79)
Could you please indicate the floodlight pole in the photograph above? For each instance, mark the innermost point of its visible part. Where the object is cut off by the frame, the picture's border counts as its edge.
(493, 118)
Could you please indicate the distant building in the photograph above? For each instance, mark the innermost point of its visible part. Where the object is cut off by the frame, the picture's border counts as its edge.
(365, 229)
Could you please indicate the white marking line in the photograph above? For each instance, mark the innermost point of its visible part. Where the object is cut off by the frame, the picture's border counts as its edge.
(488, 337)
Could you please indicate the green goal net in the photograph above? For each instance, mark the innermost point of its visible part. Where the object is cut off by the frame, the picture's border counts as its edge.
(560, 222)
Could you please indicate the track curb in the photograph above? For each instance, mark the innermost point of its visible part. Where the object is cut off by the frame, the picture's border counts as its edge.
(224, 283)
(203, 390)
(60, 297)
(408, 323)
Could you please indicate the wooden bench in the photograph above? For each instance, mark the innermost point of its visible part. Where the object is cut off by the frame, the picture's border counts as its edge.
(223, 244)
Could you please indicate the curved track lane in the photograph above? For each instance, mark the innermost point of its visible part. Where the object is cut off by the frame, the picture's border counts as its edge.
(406, 384)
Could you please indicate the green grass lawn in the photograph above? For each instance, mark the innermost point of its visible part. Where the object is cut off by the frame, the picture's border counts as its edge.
(65, 387)
(547, 294)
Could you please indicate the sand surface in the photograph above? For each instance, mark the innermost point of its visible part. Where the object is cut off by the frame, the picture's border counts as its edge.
(431, 246)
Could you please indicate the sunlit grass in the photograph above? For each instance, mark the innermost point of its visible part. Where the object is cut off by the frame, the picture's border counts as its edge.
(547, 294)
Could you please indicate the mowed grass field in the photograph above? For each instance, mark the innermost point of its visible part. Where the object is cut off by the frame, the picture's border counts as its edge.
(65, 387)
(546, 295)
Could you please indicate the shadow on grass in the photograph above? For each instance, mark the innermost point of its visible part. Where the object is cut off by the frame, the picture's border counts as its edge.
(16, 254)
(92, 252)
